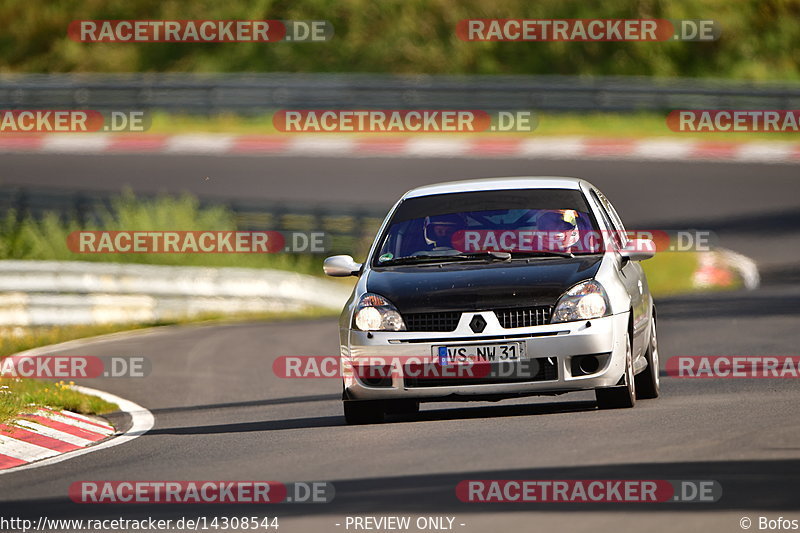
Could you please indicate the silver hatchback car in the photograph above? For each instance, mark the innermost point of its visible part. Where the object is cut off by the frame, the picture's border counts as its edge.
(497, 288)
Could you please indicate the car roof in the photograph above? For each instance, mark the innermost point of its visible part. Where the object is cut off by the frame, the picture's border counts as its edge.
(494, 184)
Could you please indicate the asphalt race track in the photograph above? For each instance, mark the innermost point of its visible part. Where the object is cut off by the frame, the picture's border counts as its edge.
(222, 415)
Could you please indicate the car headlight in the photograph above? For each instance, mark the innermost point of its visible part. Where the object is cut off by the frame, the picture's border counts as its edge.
(584, 301)
(376, 313)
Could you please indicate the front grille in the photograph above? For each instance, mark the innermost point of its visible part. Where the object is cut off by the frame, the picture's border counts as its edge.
(539, 369)
(508, 318)
(524, 318)
(440, 321)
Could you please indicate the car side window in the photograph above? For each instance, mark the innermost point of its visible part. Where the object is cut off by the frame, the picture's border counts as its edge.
(607, 219)
(623, 236)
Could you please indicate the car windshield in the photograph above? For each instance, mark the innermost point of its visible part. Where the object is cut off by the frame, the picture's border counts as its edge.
(478, 225)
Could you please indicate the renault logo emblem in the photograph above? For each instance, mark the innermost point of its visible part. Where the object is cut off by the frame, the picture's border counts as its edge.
(477, 324)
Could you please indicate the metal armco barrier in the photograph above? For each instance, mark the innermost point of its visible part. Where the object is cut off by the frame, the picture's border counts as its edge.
(45, 293)
(251, 93)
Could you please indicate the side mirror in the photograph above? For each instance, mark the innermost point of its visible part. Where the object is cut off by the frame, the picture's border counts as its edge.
(341, 266)
(638, 250)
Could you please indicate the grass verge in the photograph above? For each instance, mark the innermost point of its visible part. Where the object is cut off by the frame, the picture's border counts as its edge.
(600, 125)
(672, 273)
(20, 396)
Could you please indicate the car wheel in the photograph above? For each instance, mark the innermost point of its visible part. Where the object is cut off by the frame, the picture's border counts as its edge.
(648, 383)
(620, 396)
(363, 411)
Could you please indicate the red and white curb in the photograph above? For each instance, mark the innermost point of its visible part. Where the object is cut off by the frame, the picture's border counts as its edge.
(62, 435)
(47, 437)
(465, 146)
(45, 433)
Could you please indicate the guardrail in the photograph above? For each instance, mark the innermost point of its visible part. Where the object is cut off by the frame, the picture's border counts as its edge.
(44, 293)
(250, 93)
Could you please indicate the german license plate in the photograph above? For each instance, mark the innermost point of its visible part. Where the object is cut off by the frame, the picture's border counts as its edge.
(479, 353)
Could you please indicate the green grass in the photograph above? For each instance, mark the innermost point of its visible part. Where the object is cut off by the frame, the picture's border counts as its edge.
(20, 396)
(638, 125)
(670, 273)
(46, 239)
(601, 125)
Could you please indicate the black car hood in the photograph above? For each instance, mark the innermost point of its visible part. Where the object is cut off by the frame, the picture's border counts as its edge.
(475, 285)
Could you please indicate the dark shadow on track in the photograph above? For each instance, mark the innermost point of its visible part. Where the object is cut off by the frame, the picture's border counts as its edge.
(728, 305)
(770, 485)
(424, 416)
(253, 403)
(782, 275)
(767, 223)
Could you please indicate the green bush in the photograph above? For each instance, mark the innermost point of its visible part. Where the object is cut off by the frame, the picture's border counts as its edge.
(759, 38)
(46, 238)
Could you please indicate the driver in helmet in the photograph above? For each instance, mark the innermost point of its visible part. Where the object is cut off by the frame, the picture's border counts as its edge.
(439, 230)
(559, 229)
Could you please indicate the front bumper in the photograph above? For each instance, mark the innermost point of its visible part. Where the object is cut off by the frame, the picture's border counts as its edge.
(604, 337)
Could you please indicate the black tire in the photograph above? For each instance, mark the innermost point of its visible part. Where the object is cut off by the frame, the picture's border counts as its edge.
(648, 383)
(357, 412)
(620, 396)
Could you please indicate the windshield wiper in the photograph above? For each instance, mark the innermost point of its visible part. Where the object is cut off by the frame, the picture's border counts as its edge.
(543, 253)
(488, 254)
(410, 259)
